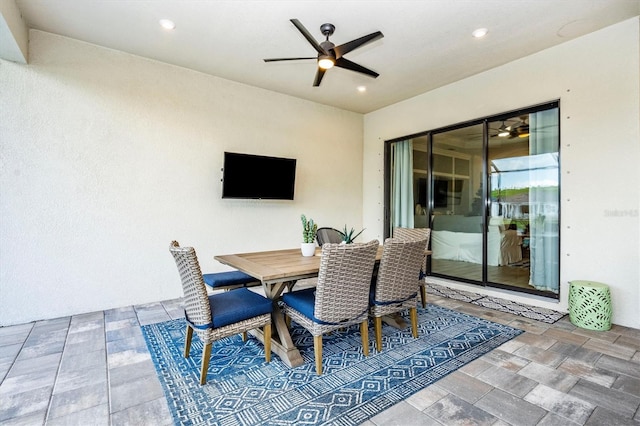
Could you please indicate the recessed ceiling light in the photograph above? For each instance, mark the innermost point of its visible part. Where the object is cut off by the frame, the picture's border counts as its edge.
(480, 32)
(362, 89)
(167, 24)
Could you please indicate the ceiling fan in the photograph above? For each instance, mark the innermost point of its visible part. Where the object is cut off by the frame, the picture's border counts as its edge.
(519, 129)
(329, 54)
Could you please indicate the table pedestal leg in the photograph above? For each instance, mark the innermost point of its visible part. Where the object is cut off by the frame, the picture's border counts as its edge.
(395, 320)
(281, 343)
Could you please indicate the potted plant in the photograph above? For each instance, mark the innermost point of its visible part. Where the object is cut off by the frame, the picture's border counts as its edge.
(348, 236)
(309, 231)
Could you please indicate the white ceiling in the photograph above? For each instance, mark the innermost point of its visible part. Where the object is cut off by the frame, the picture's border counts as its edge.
(426, 44)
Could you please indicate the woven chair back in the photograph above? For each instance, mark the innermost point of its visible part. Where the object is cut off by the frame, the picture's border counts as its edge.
(328, 235)
(342, 291)
(399, 269)
(414, 234)
(196, 299)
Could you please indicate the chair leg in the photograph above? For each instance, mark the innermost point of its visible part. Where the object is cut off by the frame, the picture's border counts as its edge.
(377, 326)
(364, 332)
(267, 342)
(287, 321)
(414, 321)
(187, 341)
(423, 295)
(206, 354)
(244, 336)
(317, 350)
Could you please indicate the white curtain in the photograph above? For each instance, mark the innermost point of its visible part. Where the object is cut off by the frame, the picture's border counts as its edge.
(544, 202)
(402, 184)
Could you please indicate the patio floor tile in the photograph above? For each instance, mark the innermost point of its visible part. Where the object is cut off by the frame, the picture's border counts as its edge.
(611, 399)
(511, 409)
(567, 406)
(452, 410)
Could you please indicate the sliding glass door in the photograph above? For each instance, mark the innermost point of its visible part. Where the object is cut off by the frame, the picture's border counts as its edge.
(456, 212)
(489, 190)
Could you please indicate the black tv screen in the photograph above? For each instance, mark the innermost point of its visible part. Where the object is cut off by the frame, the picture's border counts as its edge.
(258, 177)
(447, 192)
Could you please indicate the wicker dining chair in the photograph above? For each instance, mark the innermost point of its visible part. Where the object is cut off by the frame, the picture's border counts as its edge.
(417, 234)
(217, 316)
(340, 298)
(396, 287)
(328, 235)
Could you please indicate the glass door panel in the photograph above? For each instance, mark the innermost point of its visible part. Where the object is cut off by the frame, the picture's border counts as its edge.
(524, 201)
(409, 160)
(456, 236)
(420, 179)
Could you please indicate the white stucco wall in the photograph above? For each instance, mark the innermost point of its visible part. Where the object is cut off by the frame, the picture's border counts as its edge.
(597, 80)
(107, 157)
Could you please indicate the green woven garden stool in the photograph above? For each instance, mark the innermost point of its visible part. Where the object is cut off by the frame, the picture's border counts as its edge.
(590, 305)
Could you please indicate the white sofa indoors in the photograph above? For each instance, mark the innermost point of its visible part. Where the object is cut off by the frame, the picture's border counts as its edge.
(456, 237)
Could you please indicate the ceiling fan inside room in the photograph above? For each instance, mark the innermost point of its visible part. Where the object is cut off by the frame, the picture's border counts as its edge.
(329, 54)
(518, 128)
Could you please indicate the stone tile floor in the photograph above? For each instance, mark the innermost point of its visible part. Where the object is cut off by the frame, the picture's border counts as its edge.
(94, 369)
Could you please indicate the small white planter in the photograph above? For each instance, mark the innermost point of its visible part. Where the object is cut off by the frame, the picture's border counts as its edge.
(308, 249)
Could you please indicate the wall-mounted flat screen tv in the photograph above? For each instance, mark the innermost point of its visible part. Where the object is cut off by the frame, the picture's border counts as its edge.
(447, 192)
(258, 177)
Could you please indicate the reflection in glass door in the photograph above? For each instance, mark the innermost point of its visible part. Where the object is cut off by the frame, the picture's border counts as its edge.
(524, 196)
(457, 214)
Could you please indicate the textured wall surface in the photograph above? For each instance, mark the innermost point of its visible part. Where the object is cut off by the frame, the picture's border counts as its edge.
(107, 157)
(597, 80)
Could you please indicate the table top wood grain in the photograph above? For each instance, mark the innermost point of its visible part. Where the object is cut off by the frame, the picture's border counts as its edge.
(278, 265)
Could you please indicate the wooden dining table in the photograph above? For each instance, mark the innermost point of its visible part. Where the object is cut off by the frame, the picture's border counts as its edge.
(279, 270)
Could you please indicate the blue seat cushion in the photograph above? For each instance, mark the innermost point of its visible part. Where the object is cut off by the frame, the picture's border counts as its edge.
(303, 301)
(223, 279)
(237, 305)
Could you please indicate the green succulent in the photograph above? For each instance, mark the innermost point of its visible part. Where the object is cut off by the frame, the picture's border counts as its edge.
(347, 236)
(309, 229)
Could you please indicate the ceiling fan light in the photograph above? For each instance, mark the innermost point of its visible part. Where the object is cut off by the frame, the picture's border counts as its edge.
(325, 62)
(504, 130)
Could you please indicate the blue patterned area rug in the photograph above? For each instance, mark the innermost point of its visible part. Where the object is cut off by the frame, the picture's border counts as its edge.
(243, 390)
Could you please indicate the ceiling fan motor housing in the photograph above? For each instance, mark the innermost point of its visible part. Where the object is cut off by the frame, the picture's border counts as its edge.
(327, 46)
(327, 29)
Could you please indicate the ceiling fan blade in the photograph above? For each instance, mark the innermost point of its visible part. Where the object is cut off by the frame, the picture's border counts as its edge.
(308, 36)
(319, 75)
(288, 59)
(345, 48)
(347, 64)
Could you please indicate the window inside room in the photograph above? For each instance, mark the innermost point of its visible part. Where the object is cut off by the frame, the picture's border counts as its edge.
(489, 190)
